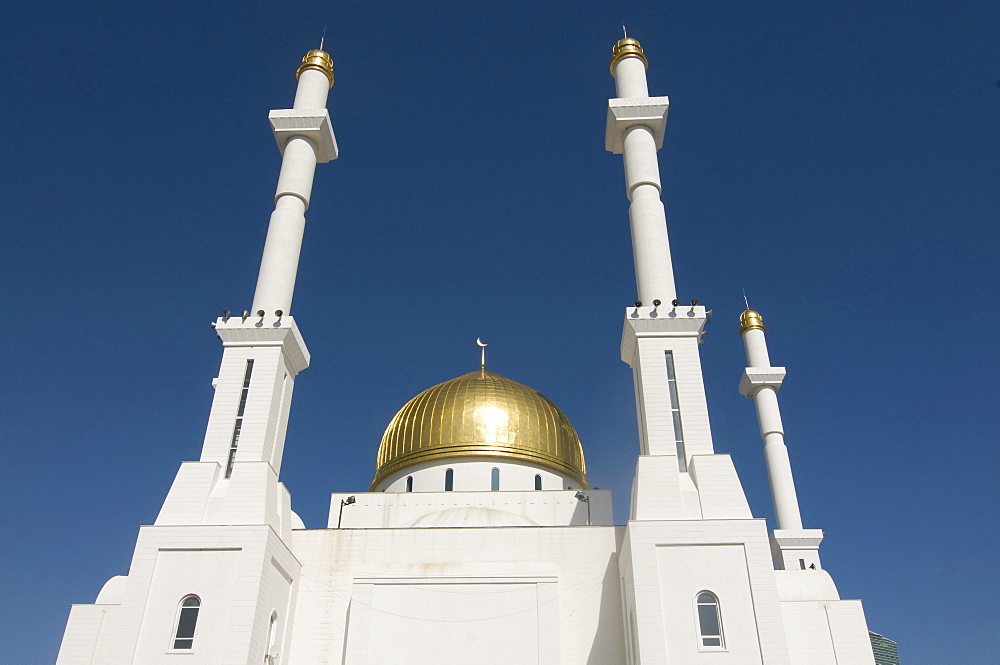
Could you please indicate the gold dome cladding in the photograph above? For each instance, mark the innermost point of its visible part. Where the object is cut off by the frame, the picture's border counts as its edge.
(481, 414)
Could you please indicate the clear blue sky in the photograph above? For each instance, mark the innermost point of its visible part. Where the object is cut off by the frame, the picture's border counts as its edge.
(839, 163)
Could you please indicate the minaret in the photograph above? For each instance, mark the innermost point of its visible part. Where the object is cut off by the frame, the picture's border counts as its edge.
(792, 546)
(263, 349)
(223, 538)
(636, 124)
(661, 336)
(305, 137)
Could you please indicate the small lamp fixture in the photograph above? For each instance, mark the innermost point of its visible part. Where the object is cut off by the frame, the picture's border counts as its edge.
(225, 315)
(656, 303)
(580, 496)
(694, 302)
(344, 502)
(675, 302)
(246, 315)
(638, 303)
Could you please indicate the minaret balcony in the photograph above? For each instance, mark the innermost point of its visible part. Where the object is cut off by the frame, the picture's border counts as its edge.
(313, 124)
(623, 114)
(268, 330)
(661, 321)
(755, 378)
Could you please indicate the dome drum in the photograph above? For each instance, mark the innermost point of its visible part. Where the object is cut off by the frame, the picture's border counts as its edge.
(476, 474)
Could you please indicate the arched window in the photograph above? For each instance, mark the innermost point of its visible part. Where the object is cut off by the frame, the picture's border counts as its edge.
(409, 483)
(495, 480)
(709, 621)
(270, 655)
(538, 481)
(187, 619)
(449, 480)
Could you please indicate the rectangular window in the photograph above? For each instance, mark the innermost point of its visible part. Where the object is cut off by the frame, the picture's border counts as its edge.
(675, 410)
(234, 442)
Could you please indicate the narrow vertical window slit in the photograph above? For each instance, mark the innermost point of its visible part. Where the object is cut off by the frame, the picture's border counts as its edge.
(675, 410)
(238, 425)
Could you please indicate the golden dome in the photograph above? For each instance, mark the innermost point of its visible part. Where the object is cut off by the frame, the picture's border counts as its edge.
(481, 414)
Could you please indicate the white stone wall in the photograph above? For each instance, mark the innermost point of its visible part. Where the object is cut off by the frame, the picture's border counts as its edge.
(669, 562)
(534, 594)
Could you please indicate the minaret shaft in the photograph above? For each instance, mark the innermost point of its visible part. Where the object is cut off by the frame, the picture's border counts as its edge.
(640, 133)
(762, 383)
(659, 339)
(263, 350)
(630, 78)
(280, 261)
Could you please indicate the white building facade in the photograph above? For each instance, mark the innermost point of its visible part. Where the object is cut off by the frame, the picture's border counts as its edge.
(481, 540)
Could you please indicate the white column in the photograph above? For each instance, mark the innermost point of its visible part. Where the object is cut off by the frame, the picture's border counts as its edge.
(639, 143)
(761, 381)
(630, 76)
(279, 264)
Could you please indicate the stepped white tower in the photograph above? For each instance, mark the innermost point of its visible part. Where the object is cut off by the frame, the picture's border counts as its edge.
(480, 540)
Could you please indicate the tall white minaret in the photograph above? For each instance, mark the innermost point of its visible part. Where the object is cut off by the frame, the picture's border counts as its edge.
(661, 336)
(792, 546)
(636, 124)
(305, 137)
(236, 479)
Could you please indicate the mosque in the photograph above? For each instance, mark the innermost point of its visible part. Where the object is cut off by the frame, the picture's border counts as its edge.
(480, 540)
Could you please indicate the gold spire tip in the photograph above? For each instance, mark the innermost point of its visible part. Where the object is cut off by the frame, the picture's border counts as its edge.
(627, 47)
(750, 320)
(317, 59)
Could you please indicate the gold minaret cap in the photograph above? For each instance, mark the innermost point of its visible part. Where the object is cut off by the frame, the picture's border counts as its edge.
(749, 320)
(317, 59)
(627, 48)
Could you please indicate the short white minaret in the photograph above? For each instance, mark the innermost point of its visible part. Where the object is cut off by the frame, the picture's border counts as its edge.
(793, 546)
(236, 479)
(636, 124)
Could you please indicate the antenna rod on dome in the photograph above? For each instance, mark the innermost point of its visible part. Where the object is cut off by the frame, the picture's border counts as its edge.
(482, 356)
